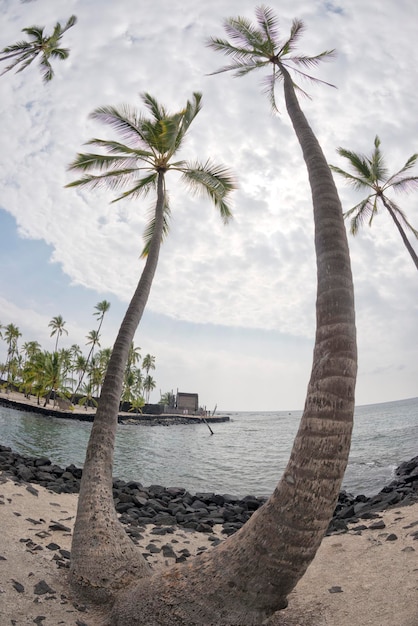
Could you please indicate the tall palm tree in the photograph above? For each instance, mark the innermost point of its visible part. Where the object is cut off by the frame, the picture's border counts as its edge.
(93, 339)
(371, 174)
(148, 385)
(24, 52)
(11, 335)
(148, 363)
(57, 325)
(100, 543)
(101, 310)
(249, 576)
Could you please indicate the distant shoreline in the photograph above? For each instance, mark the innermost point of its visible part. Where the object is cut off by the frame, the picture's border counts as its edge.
(20, 402)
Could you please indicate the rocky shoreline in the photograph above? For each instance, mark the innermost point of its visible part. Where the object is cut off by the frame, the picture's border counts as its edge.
(171, 507)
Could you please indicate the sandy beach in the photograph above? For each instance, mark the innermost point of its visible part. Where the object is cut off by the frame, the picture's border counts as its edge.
(367, 577)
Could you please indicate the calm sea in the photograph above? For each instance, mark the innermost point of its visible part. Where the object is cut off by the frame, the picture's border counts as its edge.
(246, 455)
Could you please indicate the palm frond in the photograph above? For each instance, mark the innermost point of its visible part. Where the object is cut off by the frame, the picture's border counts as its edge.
(314, 61)
(141, 189)
(124, 120)
(396, 209)
(357, 182)
(88, 161)
(359, 164)
(269, 83)
(361, 212)
(188, 115)
(214, 180)
(158, 111)
(25, 63)
(150, 227)
(46, 70)
(70, 22)
(308, 77)
(114, 179)
(407, 184)
(37, 32)
(25, 60)
(398, 176)
(268, 23)
(17, 48)
(60, 53)
(243, 32)
(378, 170)
(116, 147)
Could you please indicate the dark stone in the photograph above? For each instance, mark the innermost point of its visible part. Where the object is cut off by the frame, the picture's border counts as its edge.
(377, 525)
(18, 586)
(58, 526)
(152, 548)
(391, 537)
(168, 551)
(41, 588)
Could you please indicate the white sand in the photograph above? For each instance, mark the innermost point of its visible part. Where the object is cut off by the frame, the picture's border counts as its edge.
(378, 578)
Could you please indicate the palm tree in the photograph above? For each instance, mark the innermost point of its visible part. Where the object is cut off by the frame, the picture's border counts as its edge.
(57, 324)
(24, 52)
(371, 174)
(249, 576)
(93, 339)
(148, 385)
(87, 398)
(11, 336)
(148, 363)
(143, 162)
(101, 310)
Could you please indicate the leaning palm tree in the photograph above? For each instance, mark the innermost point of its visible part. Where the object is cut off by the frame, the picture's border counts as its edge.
(103, 558)
(24, 52)
(249, 576)
(93, 339)
(371, 174)
(101, 310)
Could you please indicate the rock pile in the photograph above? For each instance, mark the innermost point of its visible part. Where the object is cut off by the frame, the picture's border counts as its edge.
(174, 506)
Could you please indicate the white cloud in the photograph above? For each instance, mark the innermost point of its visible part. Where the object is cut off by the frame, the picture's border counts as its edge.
(258, 272)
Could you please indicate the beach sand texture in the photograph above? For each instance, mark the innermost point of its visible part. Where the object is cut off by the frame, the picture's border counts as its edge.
(356, 579)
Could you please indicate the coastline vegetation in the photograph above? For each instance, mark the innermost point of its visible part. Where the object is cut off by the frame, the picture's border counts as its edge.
(69, 374)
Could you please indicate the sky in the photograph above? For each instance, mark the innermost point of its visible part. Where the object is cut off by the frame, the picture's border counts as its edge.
(231, 315)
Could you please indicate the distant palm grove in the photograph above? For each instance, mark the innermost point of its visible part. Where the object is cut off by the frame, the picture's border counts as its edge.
(67, 372)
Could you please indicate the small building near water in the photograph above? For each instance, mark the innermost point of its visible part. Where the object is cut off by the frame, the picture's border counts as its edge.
(187, 402)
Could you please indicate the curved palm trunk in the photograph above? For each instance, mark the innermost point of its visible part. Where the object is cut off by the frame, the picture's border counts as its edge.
(248, 577)
(401, 231)
(103, 558)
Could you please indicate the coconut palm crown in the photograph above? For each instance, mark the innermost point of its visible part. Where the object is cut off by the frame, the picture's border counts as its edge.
(371, 174)
(151, 143)
(256, 45)
(24, 52)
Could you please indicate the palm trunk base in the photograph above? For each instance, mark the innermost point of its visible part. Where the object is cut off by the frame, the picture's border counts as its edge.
(104, 560)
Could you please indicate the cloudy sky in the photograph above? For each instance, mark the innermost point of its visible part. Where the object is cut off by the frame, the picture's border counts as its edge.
(231, 314)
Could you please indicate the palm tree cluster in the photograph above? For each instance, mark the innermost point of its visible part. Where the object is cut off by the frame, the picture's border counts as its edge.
(67, 372)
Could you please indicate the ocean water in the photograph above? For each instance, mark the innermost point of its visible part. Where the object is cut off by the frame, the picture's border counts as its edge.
(246, 455)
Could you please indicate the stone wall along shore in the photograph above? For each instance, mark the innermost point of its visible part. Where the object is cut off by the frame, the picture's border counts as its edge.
(170, 507)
